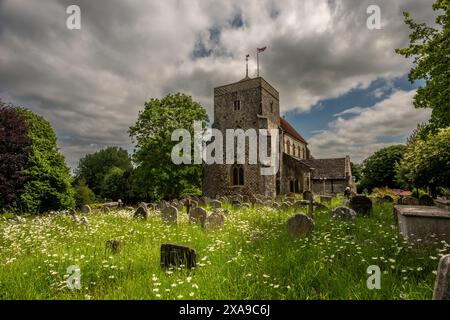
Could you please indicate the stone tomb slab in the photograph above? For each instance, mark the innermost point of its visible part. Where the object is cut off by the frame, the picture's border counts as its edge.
(418, 223)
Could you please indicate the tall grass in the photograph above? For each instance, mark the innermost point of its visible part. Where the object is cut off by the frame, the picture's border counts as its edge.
(252, 257)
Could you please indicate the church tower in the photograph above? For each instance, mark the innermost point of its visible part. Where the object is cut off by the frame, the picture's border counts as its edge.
(251, 103)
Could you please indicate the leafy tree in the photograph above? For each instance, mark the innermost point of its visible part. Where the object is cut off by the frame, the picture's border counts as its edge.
(356, 171)
(113, 185)
(15, 148)
(430, 48)
(426, 162)
(48, 185)
(83, 195)
(156, 175)
(94, 167)
(380, 168)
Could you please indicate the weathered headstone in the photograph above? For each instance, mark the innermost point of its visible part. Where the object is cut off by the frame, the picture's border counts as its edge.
(300, 225)
(408, 201)
(307, 195)
(326, 199)
(361, 204)
(141, 212)
(343, 213)
(114, 245)
(216, 204)
(169, 215)
(198, 215)
(106, 209)
(442, 284)
(426, 200)
(86, 209)
(173, 255)
(215, 220)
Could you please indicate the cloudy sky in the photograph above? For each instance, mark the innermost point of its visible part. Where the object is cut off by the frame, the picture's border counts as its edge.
(341, 84)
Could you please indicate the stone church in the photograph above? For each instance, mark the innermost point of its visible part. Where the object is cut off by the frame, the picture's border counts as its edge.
(253, 103)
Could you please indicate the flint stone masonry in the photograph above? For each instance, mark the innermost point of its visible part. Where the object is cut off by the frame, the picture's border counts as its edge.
(174, 256)
(420, 222)
(442, 285)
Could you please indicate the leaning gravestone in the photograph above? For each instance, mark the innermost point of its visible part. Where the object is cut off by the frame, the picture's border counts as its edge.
(169, 215)
(198, 215)
(86, 209)
(343, 213)
(307, 195)
(361, 204)
(141, 212)
(426, 200)
(442, 285)
(300, 225)
(173, 255)
(215, 220)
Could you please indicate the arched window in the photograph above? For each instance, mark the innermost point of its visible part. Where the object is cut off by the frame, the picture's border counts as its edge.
(238, 176)
(288, 147)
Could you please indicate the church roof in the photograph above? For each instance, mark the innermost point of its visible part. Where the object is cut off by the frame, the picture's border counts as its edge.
(286, 126)
(328, 168)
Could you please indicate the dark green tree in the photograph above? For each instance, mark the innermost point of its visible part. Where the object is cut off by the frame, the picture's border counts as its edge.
(379, 170)
(15, 148)
(94, 167)
(157, 176)
(83, 195)
(430, 48)
(356, 171)
(48, 185)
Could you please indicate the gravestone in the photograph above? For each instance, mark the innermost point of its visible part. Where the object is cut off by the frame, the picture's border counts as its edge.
(141, 212)
(442, 284)
(408, 201)
(106, 209)
(216, 204)
(307, 195)
(343, 213)
(361, 204)
(114, 245)
(426, 200)
(326, 199)
(215, 220)
(300, 225)
(198, 215)
(173, 255)
(236, 203)
(86, 209)
(169, 215)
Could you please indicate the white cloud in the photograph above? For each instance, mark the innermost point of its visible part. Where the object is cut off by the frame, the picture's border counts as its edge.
(354, 110)
(91, 83)
(376, 127)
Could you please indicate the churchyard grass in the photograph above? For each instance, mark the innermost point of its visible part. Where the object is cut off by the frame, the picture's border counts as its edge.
(252, 257)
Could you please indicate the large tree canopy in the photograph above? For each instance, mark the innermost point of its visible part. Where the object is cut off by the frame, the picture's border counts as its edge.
(157, 176)
(93, 169)
(38, 179)
(379, 169)
(426, 162)
(430, 48)
(15, 148)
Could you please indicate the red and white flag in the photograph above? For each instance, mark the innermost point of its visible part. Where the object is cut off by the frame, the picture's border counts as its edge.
(261, 49)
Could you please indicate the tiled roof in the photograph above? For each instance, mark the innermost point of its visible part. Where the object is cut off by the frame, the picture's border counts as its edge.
(328, 168)
(286, 126)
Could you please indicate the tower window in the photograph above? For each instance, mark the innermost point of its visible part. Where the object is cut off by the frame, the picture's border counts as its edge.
(238, 176)
(237, 105)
